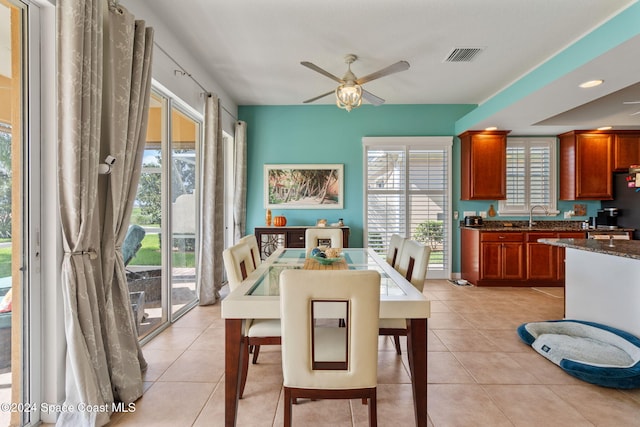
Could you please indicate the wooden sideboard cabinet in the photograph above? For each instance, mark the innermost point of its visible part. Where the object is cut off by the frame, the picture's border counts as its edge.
(272, 238)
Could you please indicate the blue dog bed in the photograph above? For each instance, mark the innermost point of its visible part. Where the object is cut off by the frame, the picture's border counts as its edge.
(592, 352)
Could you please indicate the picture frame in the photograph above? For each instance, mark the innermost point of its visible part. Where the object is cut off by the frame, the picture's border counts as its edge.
(304, 186)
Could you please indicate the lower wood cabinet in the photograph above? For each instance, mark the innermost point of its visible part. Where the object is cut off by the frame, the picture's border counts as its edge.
(494, 258)
(502, 256)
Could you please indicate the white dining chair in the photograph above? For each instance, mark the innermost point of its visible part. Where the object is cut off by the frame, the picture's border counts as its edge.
(314, 237)
(238, 262)
(412, 264)
(251, 241)
(395, 249)
(319, 359)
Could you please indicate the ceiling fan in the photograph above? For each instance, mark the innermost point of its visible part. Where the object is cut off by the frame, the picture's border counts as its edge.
(349, 93)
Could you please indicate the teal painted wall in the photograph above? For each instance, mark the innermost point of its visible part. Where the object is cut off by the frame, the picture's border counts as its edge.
(327, 134)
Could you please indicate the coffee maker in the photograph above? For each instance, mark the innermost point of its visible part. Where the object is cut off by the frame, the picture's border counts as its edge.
(607, 218)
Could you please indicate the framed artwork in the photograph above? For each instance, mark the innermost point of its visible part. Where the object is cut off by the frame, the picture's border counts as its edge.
(305, 186)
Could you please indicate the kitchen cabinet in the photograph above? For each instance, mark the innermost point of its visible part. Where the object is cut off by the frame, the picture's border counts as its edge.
(626, 151)
(271, 238)
(545, 262)
(483, 165)
(586, 166)
(502, 256)
(513, 258)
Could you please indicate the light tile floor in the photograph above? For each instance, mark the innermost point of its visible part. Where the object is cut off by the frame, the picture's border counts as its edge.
(480, 374)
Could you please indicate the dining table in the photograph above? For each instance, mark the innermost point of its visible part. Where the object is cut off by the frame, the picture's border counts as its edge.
(258, 297)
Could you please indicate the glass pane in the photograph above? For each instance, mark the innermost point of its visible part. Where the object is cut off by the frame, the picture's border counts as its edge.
(386, 197)
(142, 247)
(185, 133)
(330, 324)
(428, 203)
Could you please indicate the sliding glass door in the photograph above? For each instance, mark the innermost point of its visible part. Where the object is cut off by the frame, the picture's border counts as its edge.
(162, 240)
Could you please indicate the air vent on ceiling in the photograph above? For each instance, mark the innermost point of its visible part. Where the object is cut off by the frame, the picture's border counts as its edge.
(463, 54)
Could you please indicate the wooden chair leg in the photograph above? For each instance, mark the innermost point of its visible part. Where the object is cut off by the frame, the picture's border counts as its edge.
(287, 407)
(396, 340)
(373, 411)
(256, 351)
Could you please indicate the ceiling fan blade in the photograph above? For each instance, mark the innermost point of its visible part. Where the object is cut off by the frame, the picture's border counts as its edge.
(375, 100)
(318, 97)
(315, 68)
(394, 68)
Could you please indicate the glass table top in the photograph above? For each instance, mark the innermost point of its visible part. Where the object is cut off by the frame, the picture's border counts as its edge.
(357, 259)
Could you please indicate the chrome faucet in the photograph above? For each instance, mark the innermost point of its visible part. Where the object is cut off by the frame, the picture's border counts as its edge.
(531, 223)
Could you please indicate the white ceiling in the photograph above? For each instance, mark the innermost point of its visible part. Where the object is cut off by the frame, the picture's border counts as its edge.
(253, 49)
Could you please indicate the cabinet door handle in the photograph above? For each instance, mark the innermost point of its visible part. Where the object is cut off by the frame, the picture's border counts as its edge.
(500, 237)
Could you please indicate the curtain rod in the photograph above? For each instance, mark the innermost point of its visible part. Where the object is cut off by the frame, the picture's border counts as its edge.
(184, 72)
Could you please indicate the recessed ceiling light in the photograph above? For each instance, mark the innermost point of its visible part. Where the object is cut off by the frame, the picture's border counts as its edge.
(591, 83)
(605, 127)
(491, 128)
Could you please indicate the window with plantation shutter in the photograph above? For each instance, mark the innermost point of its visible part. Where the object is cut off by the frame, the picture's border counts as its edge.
(407, 192)
(531, 175)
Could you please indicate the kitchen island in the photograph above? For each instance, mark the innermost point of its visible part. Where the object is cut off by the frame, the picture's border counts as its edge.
(602, 281)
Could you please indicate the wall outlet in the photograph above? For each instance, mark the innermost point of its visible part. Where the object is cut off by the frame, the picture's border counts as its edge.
(568, 214)
(483, 214)
(455, 215)
(469, 213)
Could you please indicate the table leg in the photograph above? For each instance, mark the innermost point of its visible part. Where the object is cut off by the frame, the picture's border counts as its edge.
(417, 354)
(233, 342)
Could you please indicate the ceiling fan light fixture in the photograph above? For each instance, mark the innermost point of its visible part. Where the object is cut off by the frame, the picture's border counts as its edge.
(348, 96)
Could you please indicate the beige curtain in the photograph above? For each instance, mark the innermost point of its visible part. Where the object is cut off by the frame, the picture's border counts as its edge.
(211, 206)
(127, 86)
(240, 181)
(96, 317)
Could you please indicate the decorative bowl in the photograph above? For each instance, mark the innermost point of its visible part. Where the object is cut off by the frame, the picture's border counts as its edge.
(326, 261)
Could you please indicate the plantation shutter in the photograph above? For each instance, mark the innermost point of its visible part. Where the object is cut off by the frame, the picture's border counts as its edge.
(530, 175)
(408, 193)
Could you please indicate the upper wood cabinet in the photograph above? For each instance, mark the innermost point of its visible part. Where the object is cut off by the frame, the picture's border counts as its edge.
(483, 165)
(626, 151)
(586, 165)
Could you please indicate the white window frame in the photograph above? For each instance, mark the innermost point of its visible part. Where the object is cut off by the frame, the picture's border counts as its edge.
(523, 210)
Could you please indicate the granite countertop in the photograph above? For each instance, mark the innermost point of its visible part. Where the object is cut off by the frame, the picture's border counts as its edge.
(622, 248)
(550, 226)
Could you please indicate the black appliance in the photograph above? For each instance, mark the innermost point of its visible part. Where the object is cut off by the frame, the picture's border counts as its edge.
(607, 218)
(473, 221)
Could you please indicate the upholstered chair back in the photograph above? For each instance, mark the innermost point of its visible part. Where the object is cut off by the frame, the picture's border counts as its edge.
(413, 262)
(300, 290)
(251, 241)
(395, 249)
(238, 263)
(313, 236)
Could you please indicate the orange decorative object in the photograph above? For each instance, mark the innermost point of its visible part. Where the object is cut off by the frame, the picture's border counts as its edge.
(279, 221)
